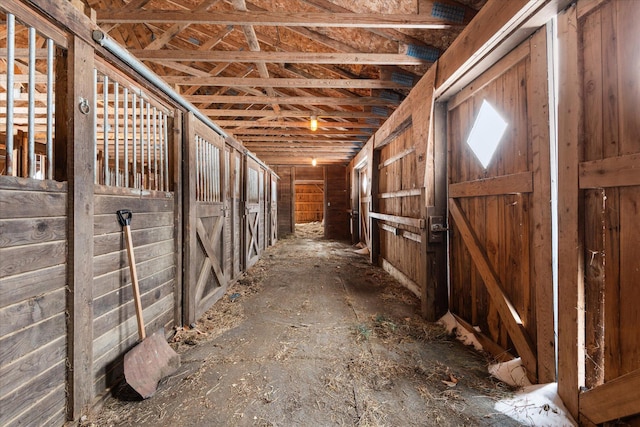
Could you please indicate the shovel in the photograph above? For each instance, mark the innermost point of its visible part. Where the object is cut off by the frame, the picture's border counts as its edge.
(152, 358)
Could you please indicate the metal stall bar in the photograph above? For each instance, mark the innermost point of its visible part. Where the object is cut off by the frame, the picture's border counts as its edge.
(148, 127)
(155, 148)
(95, 125)
(141, 142)
(11, 57)
(197, 168)
(125, 124)
(166, 151)
(161, 147)
(50, 48)
(105, 128)
(134, 140)
(116, 131)
(31, 128)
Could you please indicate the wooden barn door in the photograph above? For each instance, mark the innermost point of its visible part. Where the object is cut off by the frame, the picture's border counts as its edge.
(500, 256)
(364, 204)
(205, 205)
(599, 211)
(252, 212)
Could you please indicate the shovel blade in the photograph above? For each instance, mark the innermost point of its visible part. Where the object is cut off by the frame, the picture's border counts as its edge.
(148, 362)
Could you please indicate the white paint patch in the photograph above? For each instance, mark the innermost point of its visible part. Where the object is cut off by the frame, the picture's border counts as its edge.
(453, 327)
(511, 372)
(537, 405)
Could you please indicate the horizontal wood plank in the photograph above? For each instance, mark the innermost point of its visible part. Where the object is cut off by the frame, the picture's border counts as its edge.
(615, 399)
(108, 223)
(31, 204)
(208, 209)
(412, 222)
(401, 193)
(21, 259)
(403, 233)
(28, 285)
(19, 231)
(494, 186)
(27, 340)
(610, 172)
(104, 264)
(121, 278)
(115, 242)
(28, 184)
(111, 204)
(31, 311)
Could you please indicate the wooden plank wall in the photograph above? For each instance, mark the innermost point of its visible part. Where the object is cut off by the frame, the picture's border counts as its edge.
(286, 200)
(601, 142)
(33, 233)
(114, 324)
(309, 203)
(336, 212)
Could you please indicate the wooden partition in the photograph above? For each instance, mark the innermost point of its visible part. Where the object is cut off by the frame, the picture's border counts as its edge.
(286, 200)
(114, 324)
(33, 300)
(336, 209)
(599, 197)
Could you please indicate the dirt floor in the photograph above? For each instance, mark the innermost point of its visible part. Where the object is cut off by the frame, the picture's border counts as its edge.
(313, 335)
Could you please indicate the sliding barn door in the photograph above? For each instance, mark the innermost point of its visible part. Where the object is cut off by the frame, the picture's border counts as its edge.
(252, 212)
(599, 207)
(499, 206)
(205, 278)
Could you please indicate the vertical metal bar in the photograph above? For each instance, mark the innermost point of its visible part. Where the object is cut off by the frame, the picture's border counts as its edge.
(197, 168)
(134, 140)
(31, 128)
(50, 48)
(11, 57)
(148, 127)
(161, 148)
(125, 124)
(105, 129)
(95, 125)
(116, 131)
(141, 142)
(155, 148)
(166, 151)
(210, 168)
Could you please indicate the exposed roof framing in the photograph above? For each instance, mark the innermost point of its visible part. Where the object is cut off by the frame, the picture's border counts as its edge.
(261, 68)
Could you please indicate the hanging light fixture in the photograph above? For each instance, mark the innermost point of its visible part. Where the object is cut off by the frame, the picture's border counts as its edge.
(314, 161)
(313, 124)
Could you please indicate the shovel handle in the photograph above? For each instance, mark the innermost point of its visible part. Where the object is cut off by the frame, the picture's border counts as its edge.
(124, 217)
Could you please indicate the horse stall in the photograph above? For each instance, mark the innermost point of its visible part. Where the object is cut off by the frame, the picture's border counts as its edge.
(85, 134)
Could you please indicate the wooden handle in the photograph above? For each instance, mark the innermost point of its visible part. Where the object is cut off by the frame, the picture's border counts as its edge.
(134, 282)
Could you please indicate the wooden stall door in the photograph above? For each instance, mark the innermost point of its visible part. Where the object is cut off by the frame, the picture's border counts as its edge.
(363, 201)
(205, 279)
(252, 213)
(599, 198)
(500, 257)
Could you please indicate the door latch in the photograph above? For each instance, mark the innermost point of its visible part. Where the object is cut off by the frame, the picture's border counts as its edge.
(437, 227)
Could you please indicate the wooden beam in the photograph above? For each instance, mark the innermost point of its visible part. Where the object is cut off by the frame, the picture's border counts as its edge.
(295, 100)
(283, 124)
(412, 222)
(280, 18)
(507, 184)
(296, 132)
(507, 311)
(285, 82)
(615, 399)
(276, 57)
(618, 171)
(301, 140)
(268, 114)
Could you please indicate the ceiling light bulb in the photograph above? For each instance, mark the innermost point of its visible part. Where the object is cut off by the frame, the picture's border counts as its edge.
(314, 162)
(313, 124)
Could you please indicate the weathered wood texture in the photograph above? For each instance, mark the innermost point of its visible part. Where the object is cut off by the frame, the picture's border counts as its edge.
(153, 233)
(33, 270)
(336, 213)
(608, 220)
(286, 200)
(509, 222)
(309, 202)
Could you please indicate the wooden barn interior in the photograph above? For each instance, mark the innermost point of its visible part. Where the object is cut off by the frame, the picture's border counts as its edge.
(485, 152)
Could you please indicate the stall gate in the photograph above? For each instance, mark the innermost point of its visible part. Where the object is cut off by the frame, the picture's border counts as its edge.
(204, 219)
(500, 254)
(252, 215)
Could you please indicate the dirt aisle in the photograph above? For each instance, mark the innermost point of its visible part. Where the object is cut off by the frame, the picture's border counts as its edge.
(315, 336)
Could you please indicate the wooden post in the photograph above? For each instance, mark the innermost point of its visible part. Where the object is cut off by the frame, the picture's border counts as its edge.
(542, 274)
(73, 86)
(570, 245)
(374, 231)
(189, 219)
(176, 171)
